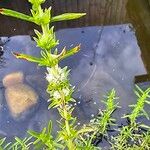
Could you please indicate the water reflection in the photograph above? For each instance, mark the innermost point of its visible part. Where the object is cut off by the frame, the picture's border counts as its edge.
(109, 58)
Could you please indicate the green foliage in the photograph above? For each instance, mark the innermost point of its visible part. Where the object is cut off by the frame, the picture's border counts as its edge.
(23, 144)
(48, 59)
(46, 40)
(67, 16)
(104, 119)
(40, 16)
(86, 144)
(16, 14)
(71, 136)
(144, 142)
(59, 87)
(139, 107)
(3, 145)
(36, 2)
(129, 135)
(44, 139)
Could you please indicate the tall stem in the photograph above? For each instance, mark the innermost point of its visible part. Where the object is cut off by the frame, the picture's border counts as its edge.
(57, 77)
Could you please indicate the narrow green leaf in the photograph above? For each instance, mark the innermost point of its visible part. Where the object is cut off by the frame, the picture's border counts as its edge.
(44, 131)
(86, 130)
(148, 102)
(67, 16)
(34, 134)
(144, 126)
(137, 93)
(2, 141)
(49, 127)
(125, 116)
(27, 57)
(145, 114)
(132, 105)
(66, 53)
(22, 143)
(37, 33)
(7, 145)
(12, 13)
(139, 89)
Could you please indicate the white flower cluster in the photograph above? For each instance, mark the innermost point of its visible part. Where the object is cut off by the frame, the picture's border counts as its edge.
(55, 74)
(57, 95)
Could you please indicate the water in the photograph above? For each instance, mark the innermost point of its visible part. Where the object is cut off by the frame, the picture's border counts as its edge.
(111, 59)
(114, 56)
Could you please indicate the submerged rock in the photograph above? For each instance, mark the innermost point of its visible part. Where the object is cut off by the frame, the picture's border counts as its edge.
(20, 97)
(13, 78)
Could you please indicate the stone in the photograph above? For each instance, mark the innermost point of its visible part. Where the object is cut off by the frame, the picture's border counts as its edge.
(20, 97)
(13, 78)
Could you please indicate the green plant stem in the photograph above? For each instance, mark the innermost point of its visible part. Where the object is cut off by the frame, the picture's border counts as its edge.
(61, 100)
(59, 87)
(67, 125)
(70, 143)
(45, 28)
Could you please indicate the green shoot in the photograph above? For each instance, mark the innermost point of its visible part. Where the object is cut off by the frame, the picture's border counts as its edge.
(129, 133)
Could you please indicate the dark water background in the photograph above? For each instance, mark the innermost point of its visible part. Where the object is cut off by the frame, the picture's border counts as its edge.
(114, 56)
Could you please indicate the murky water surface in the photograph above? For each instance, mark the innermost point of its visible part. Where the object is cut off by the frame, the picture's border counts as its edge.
(110, 57)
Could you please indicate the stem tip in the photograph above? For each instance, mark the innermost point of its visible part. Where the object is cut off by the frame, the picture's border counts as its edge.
(1, 10)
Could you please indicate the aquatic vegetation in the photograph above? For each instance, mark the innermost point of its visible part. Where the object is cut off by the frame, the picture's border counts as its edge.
(103, 121)
(71, 136)
(104, 118)
(44, 139)
(131, 134)
(23, 144)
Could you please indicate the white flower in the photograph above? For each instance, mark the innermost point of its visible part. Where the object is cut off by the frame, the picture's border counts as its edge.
(49, 77)
(62, 74)
(66, 92)
(63, 77)
(60, 71)
(56, 95)
(49, 69)
(55, 74)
